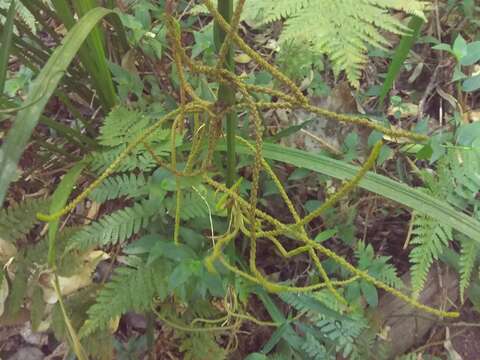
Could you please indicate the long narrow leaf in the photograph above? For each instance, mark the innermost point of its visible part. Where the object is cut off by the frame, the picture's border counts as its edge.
(289, 334)
(378, 184)
(44, 86)
(59, 199)
(400, 56)
(96, 51)
(6, 43)
(92, 55)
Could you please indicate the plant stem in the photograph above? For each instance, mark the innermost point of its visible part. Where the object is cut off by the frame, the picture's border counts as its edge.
(6, 40)
(226, 95)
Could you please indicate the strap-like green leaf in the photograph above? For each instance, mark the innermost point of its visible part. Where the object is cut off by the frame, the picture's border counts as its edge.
(6, 42)
(401, 53)
(45, 83)
(381, 185)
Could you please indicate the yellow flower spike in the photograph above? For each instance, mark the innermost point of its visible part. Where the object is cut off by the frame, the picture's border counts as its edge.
(192, 107)
(247, 219)
(224, 198)
(329, 253)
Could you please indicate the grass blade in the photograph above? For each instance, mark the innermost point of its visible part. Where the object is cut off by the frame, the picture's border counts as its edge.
(42, 88)
(378, 184)
(289, 334)
(400, 56)
(6, 43)
(92, 53)
(59, 199)
(96, 52)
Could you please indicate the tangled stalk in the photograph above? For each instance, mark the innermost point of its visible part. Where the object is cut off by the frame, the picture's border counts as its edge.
(247, 220)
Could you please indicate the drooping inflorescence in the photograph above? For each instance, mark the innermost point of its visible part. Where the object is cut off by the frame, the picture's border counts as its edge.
(247, 219)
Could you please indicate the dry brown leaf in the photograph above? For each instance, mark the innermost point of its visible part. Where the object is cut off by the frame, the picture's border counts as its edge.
(3, 292)
(7, 251)
(69, 285)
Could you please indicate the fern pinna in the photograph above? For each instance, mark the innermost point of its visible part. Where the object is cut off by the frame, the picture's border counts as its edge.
(342, 30)
(457, 179)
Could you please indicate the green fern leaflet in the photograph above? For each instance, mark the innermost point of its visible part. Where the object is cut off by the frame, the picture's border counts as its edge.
(341, 29)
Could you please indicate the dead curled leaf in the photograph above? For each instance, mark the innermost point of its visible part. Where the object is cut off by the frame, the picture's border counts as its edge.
(3, 292)
(7, 251)
(69, 285)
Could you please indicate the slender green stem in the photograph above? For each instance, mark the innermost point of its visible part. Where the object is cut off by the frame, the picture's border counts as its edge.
(6, 40)
(226, 95)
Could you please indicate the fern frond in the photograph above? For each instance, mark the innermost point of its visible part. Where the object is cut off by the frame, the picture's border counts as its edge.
(430, 238)
(130, 289)
(128, 185)
(281, 9)
(122, 125)
(317, 303)
(193, 206)
(139, 159)
(377, 266)
(18, 220)
(465, 170)
(115, 227)
(343, 333)
(199, 346)
(322, 310)
(457, 180)
(315, 349)
(468, 255)
(340, 29)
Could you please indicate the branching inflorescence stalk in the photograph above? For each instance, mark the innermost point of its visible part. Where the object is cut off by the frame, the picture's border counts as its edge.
(247, 219)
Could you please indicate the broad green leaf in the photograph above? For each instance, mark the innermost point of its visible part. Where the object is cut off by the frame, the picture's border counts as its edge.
(459, 47)
(370, 293)
(289, 131)
(37, 307)
(180, 275)
(41, 90)
(325, 235)
(468, 133)
(256, 356)
(169, 250)
(143, 245)
(443, 47)
(473, 54)
(299, 174)
(471, 84)
(458, 74)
